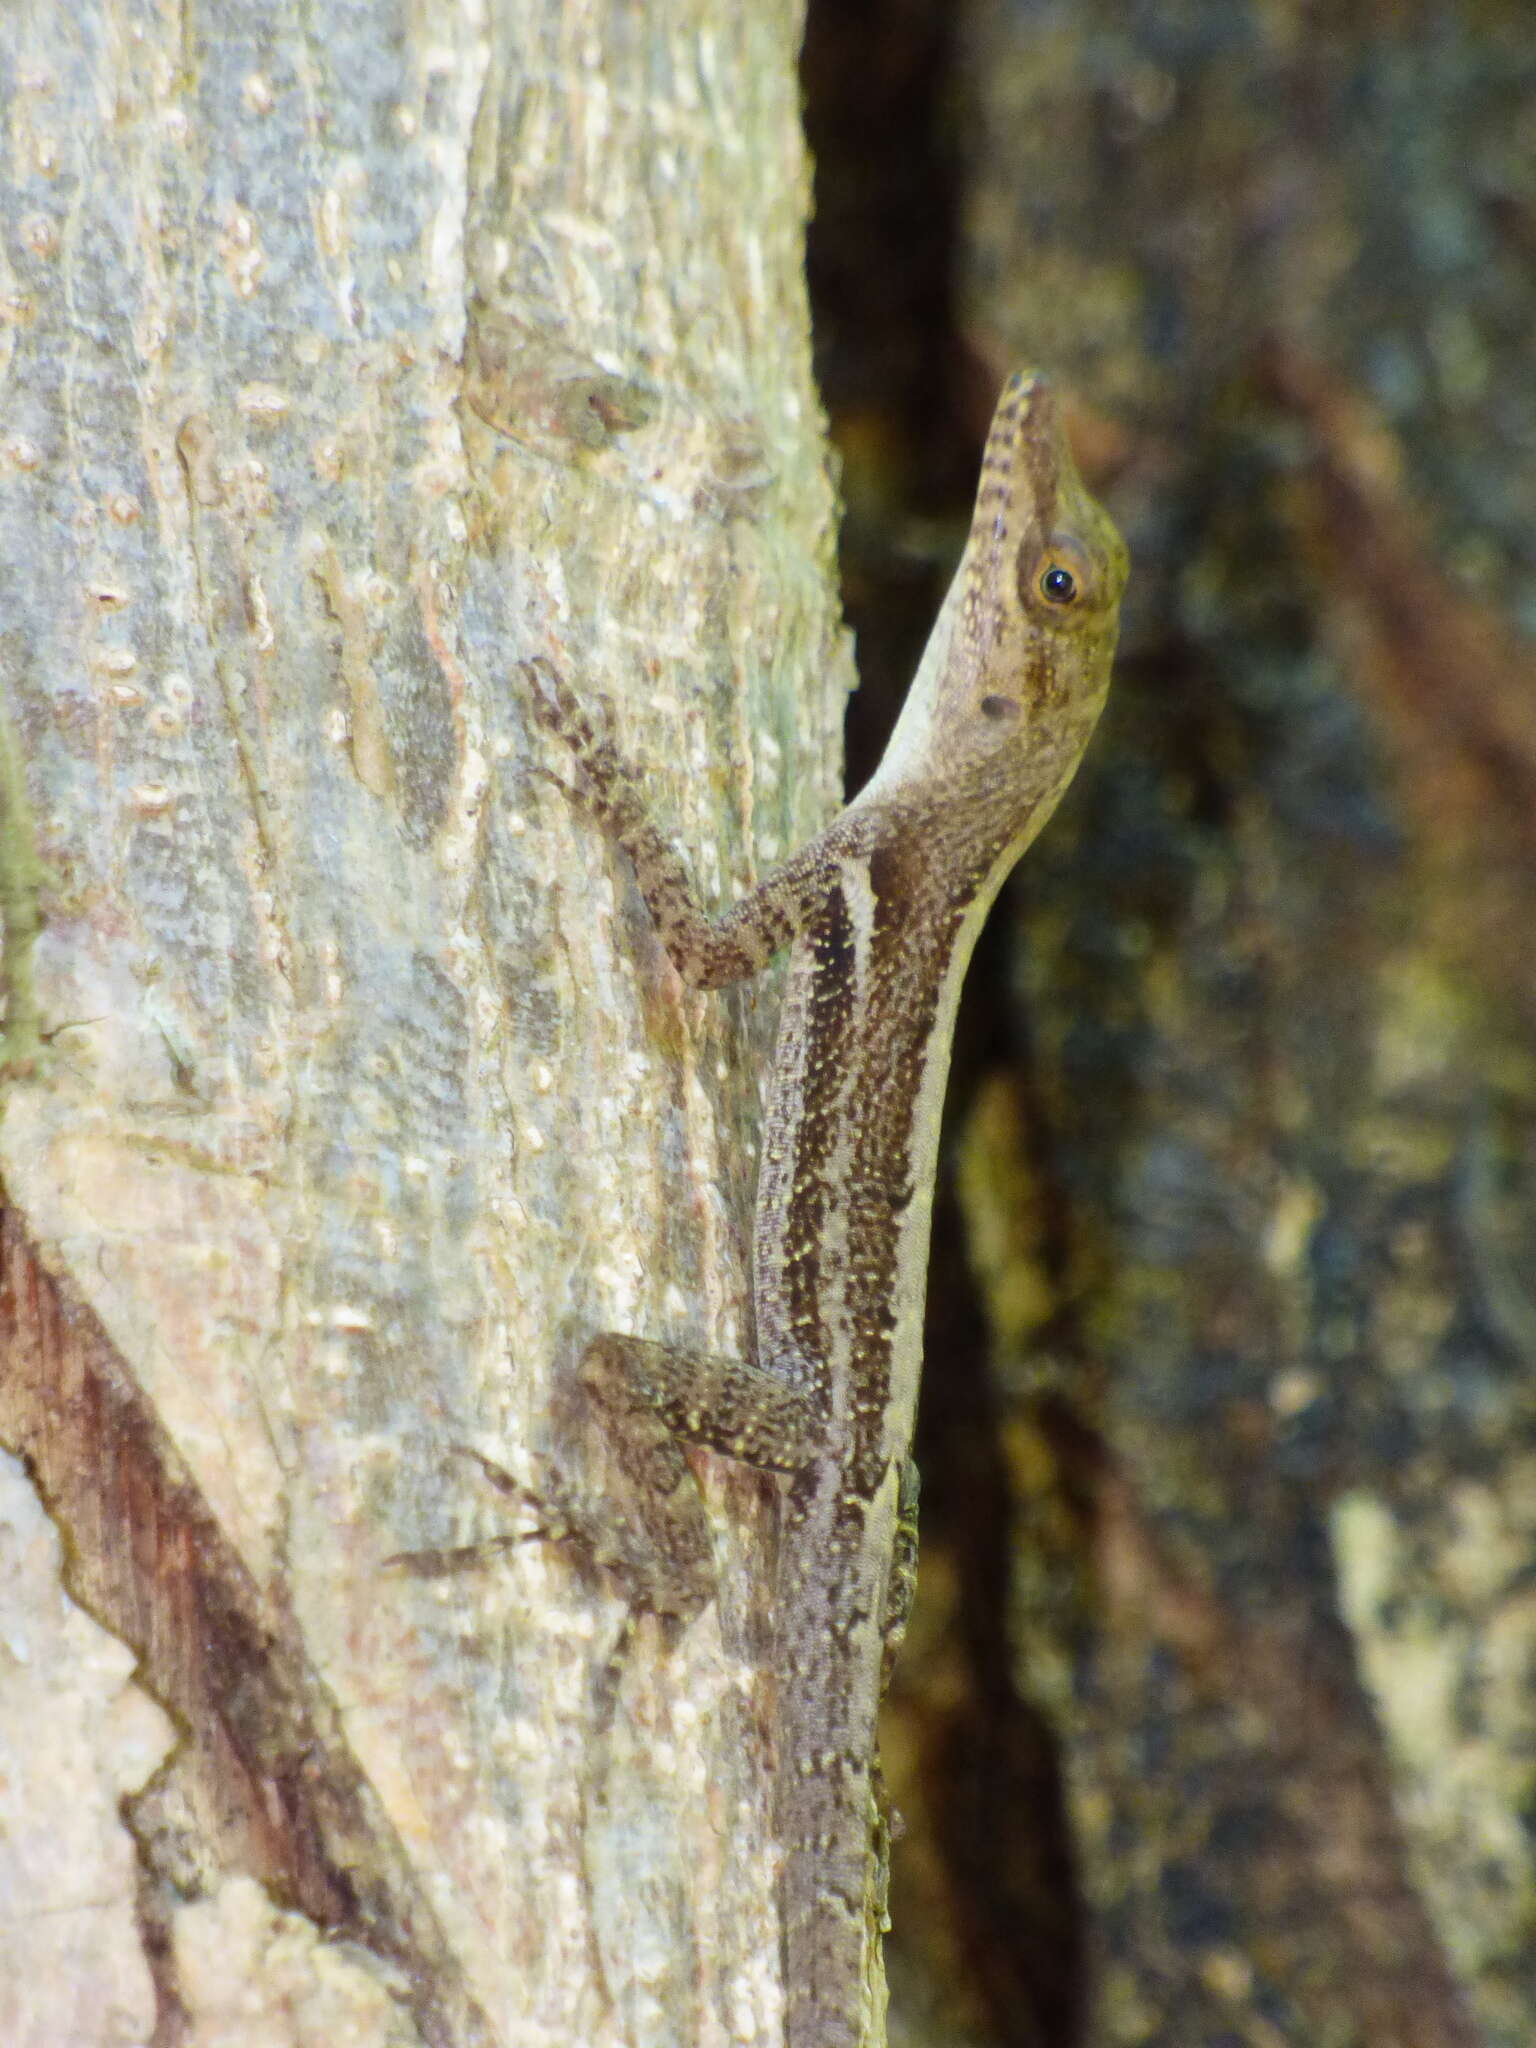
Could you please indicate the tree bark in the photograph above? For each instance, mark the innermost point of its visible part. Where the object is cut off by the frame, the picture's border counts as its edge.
(349, 356)
(1254, 1203)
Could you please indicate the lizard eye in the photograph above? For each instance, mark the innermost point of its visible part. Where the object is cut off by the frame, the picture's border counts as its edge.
(1058, 572)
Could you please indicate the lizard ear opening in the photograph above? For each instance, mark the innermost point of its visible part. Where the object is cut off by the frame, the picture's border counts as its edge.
(1000, 708)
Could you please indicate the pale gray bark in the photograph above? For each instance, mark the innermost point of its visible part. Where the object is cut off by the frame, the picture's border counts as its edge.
(352, 351)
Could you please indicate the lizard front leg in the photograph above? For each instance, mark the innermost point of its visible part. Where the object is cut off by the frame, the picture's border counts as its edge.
(708, 952)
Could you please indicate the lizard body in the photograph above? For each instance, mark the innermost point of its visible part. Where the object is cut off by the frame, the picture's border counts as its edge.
(880, 913)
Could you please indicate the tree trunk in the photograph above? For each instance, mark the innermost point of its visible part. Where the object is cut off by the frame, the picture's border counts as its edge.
(352, 354)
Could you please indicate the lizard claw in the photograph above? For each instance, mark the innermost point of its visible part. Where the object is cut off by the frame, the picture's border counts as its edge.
(457, 1557)
(556, 705)
(568, 790)
(545, 687)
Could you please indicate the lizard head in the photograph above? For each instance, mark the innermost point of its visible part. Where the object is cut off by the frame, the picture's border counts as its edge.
(1017, 668)
(1039, 591)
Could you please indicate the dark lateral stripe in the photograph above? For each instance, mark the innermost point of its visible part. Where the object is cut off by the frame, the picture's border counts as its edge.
(869, 1034)
(829, 1031)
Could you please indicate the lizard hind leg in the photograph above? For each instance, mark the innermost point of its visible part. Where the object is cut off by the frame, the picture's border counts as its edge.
(729, 1405)
(652, 1399)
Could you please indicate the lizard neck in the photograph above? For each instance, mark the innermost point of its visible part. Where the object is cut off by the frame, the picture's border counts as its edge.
(910, 746)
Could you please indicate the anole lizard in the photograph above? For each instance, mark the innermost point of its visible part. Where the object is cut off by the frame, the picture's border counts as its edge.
(880, 913)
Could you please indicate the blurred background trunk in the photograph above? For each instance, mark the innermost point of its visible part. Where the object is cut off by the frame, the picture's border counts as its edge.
(1216, 1720)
